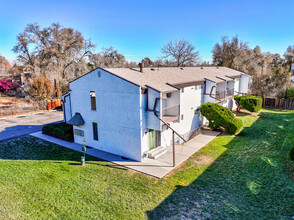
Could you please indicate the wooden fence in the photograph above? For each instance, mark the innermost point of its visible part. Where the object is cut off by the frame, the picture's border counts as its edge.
(278, 103)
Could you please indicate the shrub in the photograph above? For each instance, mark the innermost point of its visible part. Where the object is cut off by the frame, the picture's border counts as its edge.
(290, 93)
(291, 154)
(251, 103)
(221, 117)
(59, 130)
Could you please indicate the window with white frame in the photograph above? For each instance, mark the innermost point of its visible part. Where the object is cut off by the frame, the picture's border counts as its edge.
(93, 100)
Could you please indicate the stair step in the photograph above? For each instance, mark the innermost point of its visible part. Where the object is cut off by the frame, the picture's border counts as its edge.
(157, 152)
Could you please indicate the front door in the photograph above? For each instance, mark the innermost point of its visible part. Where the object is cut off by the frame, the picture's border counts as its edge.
(154, 139)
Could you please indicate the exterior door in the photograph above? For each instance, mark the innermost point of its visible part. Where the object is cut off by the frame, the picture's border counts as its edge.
(154, 139)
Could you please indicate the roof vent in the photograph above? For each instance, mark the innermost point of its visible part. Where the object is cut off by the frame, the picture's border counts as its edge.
(152, 69)
(182, 68)
(217, 67)
(201, 67)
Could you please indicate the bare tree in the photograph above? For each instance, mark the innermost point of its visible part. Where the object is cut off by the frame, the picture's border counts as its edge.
(54, 52)
(4, 65)
(147, 62)
(109, 57)
(181, 53)
(270, 74)
(225, 52)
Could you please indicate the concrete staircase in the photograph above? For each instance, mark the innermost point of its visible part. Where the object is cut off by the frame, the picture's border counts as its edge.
(157, 152)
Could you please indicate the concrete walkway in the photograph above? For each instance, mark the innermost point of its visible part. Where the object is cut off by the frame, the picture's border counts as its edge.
(11, 127)
(154, 167)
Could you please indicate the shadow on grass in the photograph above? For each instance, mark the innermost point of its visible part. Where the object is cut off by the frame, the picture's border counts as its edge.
(248, 181)
(110, 165)
(31, 148)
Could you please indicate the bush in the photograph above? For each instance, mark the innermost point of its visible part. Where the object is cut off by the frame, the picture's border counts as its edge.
(291, 154)
(250, 103)
(290, 93)
(221, 117)
(59, 130)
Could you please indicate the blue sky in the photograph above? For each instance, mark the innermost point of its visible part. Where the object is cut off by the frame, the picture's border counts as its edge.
(140, 28)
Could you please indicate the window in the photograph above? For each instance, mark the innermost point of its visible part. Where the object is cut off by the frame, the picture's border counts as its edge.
(168, 95)
(95, 131)
(93, 100)
(198, 87)
(182, 117)
(182, 90)
(79, 132)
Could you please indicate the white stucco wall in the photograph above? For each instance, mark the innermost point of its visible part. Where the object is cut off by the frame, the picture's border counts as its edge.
(118, 113)
(152, 121)
(144, 129)
(228, 103)
(237, 86)
(244, 83)
(208, 86)
(220, 87)
(190, 100)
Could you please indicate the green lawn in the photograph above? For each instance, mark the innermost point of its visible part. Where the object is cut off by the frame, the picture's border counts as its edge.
(248, 176)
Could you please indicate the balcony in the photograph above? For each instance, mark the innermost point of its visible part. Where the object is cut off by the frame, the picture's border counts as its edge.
(220, 96)
(230, 93)
(223, 95)
(171, 113)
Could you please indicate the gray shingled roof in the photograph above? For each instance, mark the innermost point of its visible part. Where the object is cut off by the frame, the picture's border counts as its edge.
(159, 78)
(77, 120)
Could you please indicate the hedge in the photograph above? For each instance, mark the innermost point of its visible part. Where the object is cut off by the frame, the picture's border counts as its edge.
(221, 117)
(249, 102)
(61, 130)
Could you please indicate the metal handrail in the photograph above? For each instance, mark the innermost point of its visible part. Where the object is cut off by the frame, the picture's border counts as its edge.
(174, 132)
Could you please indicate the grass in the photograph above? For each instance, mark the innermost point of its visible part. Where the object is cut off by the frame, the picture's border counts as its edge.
(248, 176)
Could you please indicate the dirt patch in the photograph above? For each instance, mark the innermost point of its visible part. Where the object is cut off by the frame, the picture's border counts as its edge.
(244, 112)
(10, 106)
(203, 159)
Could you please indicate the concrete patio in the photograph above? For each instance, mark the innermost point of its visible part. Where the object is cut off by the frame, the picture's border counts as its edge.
(154, 167)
